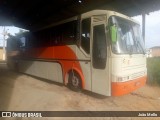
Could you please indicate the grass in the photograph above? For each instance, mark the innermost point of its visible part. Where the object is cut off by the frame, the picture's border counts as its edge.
(153, 68)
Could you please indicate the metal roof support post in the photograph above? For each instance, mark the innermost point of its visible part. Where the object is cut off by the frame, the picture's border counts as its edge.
(4, 50)
(143, 25)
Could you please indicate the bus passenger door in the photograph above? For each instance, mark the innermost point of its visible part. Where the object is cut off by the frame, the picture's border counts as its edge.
(100, 72)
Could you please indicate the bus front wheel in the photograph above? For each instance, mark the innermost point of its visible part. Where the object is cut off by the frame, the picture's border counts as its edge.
(74, 81)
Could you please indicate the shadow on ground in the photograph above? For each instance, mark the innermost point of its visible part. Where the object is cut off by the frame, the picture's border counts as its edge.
(6, 85)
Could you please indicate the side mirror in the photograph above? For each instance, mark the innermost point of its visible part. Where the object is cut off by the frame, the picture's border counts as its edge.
(113, 31)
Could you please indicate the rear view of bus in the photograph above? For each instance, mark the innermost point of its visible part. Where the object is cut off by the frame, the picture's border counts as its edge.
(128, 60)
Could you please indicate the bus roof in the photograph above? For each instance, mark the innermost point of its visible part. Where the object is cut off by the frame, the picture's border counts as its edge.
(108, 13)
(89, 14)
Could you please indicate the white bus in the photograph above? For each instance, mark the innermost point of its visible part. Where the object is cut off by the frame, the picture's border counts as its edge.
(101, 51)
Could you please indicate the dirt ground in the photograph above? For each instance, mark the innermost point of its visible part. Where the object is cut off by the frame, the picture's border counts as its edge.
(19, 92)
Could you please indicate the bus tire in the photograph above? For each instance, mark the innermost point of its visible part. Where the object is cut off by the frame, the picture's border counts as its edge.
(74, 81)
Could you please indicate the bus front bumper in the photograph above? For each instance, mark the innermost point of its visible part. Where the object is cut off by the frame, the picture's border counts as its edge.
(122, 88)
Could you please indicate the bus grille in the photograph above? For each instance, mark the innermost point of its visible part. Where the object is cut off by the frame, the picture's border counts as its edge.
(137, 75)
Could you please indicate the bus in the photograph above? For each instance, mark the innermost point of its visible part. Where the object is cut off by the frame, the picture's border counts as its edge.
(100, 51)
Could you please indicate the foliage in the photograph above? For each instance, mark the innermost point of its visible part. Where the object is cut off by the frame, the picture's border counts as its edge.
(153, 68)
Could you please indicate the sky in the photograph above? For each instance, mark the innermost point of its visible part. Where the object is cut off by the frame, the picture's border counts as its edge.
(10, 29)
(152, 35)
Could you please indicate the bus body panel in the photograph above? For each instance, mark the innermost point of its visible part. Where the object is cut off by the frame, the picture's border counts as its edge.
(129, 67)
(64, 55)
(85, 64)
(48, 70)
(128, 73)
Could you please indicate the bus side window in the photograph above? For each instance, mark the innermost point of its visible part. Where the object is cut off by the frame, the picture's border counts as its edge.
(68, 32)
(85, 35)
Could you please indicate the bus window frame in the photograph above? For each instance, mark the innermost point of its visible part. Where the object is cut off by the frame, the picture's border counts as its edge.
(80, 41)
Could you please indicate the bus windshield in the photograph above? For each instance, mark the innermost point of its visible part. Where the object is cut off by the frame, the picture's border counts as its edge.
(129, 39)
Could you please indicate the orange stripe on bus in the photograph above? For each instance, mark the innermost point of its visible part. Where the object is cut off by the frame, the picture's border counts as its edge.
(59, 52)
(121, 88)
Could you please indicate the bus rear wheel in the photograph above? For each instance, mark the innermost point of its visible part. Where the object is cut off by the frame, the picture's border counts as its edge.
(74, 81)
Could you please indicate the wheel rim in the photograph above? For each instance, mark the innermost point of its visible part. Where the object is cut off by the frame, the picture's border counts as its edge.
(75, 81)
